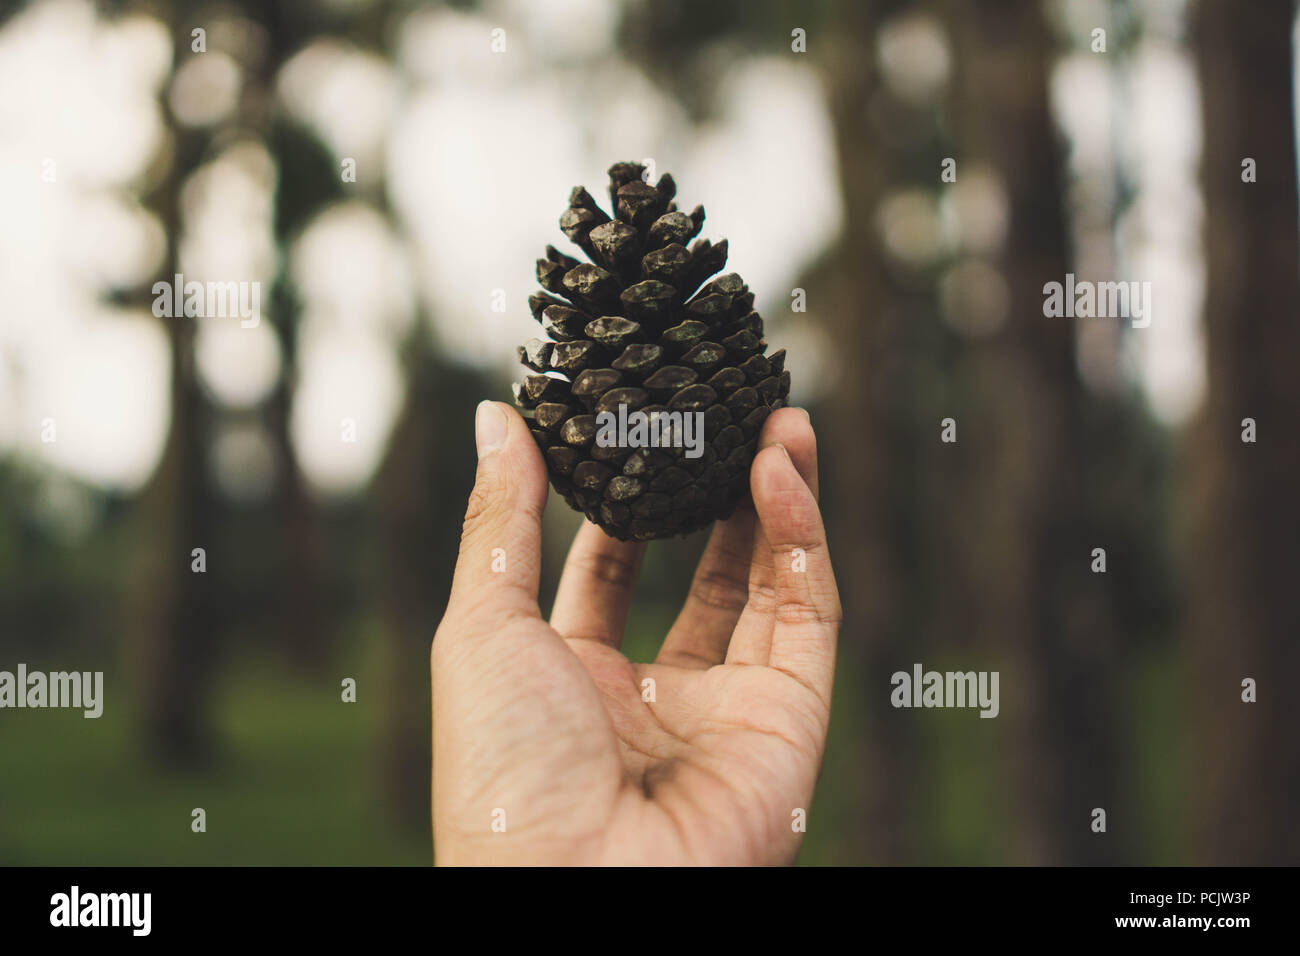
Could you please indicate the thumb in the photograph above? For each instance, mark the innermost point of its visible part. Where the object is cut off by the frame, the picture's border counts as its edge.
(497, 571)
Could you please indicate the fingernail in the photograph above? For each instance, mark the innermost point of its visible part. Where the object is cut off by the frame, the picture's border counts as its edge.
(806, 415)
(490, 428)
(784, 451)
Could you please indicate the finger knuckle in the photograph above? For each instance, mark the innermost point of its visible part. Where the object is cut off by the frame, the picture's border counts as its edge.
(802, 611)
(763, 598)
(480, 501)
(612, 569)
(808, 548)
(718, 589)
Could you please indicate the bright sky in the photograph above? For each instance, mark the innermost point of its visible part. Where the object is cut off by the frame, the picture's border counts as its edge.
(87, 376)
(480, 151)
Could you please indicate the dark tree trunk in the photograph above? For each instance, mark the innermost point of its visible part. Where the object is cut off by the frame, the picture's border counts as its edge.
(1246, 545)
(307, 181)
(181, 620)
(1038, 606)
(861, 434)
(179, 614)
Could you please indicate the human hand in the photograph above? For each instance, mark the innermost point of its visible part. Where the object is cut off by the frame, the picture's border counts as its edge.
(545, 751)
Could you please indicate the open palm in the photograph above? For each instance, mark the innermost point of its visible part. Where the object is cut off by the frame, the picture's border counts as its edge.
(551, 747)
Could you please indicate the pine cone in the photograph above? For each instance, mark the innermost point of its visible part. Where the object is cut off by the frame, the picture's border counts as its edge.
(630, 334)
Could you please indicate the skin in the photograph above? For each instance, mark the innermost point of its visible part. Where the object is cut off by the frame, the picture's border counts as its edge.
(546, 721)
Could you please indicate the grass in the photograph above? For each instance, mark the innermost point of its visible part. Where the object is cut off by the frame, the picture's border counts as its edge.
(298, 781)
(297, 784)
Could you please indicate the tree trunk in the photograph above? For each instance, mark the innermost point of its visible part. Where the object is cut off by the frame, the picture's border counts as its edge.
(1040, 608)
(861, 434)
(178, 612)
(1246, 540)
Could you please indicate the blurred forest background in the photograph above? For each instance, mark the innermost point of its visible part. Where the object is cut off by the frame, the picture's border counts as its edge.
(392, 304)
